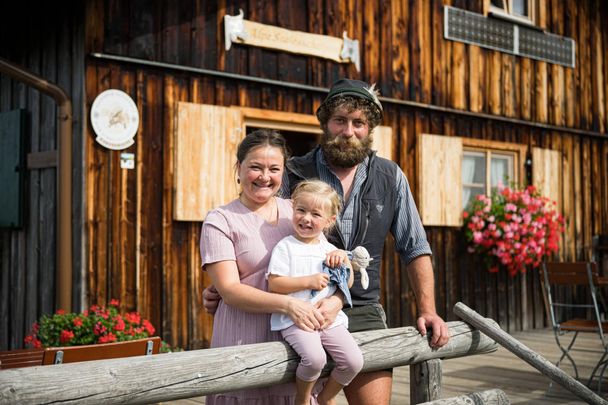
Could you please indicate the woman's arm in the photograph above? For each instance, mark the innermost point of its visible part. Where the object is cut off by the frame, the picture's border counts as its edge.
(287, 285)
(225, 277)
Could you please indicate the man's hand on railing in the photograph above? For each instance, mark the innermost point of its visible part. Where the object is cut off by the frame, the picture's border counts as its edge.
(441, 334)
(211, 299)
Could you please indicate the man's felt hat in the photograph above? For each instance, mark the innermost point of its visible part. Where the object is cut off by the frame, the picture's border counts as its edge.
(355, 88)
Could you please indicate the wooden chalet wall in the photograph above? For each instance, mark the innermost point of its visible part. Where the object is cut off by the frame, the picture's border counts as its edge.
(47, 41)
(137, 253)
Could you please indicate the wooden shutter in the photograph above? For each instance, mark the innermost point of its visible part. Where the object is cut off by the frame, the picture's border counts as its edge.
(440, 180)
(383, 141)
(546, 173)
(206, 138)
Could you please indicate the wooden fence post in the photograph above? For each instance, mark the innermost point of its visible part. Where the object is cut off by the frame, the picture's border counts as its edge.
(425, 381)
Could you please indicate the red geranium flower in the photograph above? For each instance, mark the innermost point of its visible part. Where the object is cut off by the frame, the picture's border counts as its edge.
(66, 336)
(98, 324)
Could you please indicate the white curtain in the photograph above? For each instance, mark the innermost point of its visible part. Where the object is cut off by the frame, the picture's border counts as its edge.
(499, 171)
(468, 174)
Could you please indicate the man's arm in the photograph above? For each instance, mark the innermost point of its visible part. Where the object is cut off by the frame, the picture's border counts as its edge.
(420, 272)
(411, 243)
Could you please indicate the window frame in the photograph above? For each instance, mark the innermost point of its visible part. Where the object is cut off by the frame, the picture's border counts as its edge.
(506, 12)
(517, 151)
(488, 154)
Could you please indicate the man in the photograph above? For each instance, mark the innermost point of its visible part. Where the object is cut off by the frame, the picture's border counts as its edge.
(376, 200)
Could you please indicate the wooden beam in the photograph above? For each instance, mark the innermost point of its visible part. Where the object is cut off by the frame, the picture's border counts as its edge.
(528, 355)
(488, 397)
(151, 379)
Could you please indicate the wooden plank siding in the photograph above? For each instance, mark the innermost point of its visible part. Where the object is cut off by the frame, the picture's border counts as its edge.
(403, 49)
(127, 244)
(48, 43)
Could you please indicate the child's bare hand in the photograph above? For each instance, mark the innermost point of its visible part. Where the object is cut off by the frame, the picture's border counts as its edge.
(318, 281)
(336, 258)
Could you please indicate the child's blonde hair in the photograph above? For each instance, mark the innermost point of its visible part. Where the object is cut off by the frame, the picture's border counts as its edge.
(322, 191)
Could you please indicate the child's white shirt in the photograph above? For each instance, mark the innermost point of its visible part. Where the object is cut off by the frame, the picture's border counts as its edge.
(293, 258)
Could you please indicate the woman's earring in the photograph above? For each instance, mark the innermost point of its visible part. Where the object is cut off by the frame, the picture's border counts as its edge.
(238, 180)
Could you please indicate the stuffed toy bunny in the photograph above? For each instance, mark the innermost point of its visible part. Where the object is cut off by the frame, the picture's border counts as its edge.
(360, 260)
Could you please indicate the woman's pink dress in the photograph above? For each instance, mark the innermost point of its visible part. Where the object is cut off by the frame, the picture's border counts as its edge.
(233, 232)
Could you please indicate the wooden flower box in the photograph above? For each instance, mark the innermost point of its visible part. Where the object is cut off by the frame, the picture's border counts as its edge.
(72, 354)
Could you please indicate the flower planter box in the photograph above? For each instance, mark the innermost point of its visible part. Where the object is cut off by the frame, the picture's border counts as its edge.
(72, 354)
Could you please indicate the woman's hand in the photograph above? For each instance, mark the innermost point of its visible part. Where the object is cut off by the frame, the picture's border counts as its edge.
(317, 281)
(211, 299)
(335, 258)
(304, 315)
(329, 308)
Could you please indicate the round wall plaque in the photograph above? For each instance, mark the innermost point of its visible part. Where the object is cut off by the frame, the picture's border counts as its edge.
(115, 119)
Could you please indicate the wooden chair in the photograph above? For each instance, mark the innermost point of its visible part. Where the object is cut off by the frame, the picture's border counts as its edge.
(21, 358)
(575, 274)
(73, 354)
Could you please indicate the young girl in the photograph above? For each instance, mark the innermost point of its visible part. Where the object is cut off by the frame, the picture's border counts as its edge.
(296, 268)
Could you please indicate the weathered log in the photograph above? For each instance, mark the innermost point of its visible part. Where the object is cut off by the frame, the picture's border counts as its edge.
(488, 397)
(425, 381)
(528, 355)
(193, 373)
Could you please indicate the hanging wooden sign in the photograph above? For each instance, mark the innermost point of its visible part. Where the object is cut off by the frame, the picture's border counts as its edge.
(241, 31)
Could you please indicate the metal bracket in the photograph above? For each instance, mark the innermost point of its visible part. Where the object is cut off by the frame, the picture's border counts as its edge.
(149, 347)
(350, 51)
(234, 28)
(59, 357)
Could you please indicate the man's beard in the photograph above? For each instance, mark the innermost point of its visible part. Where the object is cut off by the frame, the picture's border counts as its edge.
(345, 152)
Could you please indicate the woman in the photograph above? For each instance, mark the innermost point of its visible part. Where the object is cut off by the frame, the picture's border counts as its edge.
(236, 242)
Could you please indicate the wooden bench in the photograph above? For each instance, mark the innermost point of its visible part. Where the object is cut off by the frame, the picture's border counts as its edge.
(73, 354)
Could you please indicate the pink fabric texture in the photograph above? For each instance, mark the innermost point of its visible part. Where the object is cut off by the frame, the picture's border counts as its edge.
(338, 342)
(233, 232)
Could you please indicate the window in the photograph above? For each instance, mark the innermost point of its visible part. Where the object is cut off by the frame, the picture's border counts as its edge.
(521, 11)
(485, 164)
(453, 170)
(483, 170)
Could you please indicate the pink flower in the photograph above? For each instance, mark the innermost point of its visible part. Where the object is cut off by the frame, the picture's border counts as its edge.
(510, 207)
(77, 322)
(477, 237)
(514, 228)
(99, 329)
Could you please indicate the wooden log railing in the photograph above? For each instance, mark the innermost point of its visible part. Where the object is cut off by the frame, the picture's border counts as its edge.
(528, 355)
(194, 373)
(488, 397)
